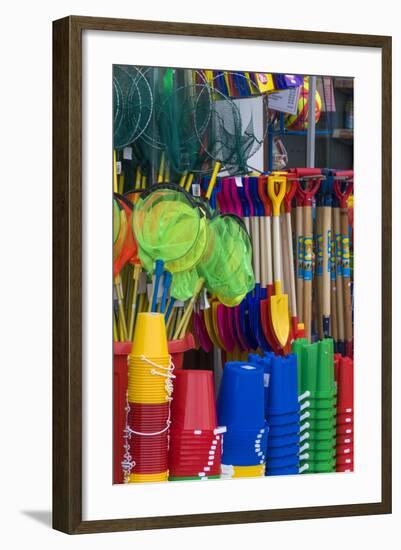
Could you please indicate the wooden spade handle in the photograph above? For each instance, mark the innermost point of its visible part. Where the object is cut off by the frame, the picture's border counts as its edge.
(285, 268)
(308, 271)
(339, 279)
(293, 299)
(346, 275)
(277, 254)
(269, 243)
(263, 251)
(319, 271)
(299, 260)
(333, 320)
(255, 247)
(326, 259)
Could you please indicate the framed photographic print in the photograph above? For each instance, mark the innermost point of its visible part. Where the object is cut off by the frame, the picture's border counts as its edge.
(222, 275)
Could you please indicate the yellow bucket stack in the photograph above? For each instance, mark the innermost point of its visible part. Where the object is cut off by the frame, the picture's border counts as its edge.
(149, 392)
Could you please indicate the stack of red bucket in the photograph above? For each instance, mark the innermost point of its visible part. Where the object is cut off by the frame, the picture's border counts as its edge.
(120, 383)
(148, 405)
(195, 439)
(176, 348)
(344, 371)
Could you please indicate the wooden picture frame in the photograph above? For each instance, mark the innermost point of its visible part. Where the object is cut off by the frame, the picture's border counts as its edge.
(67, 273)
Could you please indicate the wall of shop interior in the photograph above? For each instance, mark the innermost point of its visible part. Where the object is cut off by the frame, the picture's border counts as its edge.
(26, 288)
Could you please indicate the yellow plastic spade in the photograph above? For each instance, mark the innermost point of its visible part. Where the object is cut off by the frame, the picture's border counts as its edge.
(279, 302)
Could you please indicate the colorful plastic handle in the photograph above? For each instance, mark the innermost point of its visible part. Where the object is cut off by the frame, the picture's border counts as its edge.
(246, 212)
(305, 194)
(245, 182)
(263, 196)
(235, 198)
(324, 196)
(221, 195)
(291, 189)
(276, 198)
(258, 206)
(341, 192)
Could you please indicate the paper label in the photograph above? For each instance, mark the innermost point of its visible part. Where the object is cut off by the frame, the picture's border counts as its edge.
(118, 167)
(346, 257)
(285, 101)
(127, 153)
(149, 288)
(328, 267)
(308, 243)
(319, 255)
(332, 257)
(339, 267)
(238, 181)
(204, 302)
(300, 266)
(196, 190)
(142, 279)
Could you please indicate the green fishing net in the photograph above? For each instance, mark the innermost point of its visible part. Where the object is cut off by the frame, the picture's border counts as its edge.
(132, 104)
(235, 129)
(226, 264)
(183, 284)
(168, 225)
(184, 116)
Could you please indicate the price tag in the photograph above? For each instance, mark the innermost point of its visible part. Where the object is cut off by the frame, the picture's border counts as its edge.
(118, 167)
(204, 302)
(149, 287)
(196, 190)
(238, 181)
(142, 283)
(127, 153)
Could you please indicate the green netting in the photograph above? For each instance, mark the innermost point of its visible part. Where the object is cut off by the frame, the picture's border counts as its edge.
(167, 225)
(182, 118)
(132, 104)
(226, 138)
(168, 119)
(184, 284)
(227, 263)
(192, 257)
(245, 139)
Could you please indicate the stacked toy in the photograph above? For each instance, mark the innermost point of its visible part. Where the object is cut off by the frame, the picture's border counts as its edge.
(345, 414)
(316, 379)
(241, 409)
(195, 439)
(283, 415)
(148, 408)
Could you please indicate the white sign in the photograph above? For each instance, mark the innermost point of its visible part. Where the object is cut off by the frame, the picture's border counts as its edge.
(285, 101)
